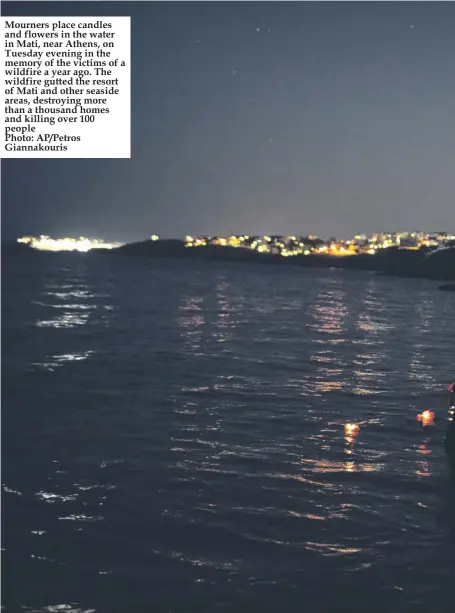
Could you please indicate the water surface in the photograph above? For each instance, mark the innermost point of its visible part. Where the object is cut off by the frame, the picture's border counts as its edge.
(173, 438)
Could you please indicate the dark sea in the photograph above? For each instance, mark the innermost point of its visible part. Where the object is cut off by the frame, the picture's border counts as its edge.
(174, 439)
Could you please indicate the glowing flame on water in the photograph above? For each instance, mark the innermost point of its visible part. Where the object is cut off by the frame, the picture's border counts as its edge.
(351, 429)
(426, 418)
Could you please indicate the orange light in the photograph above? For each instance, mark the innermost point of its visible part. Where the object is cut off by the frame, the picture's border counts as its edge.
(351, 429)
(426, 418)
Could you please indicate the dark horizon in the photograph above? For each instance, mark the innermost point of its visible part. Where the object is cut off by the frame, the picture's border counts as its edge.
(328, 118)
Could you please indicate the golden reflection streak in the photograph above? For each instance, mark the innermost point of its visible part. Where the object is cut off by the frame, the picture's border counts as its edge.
(326, 377)
(350, 433)
(305, 515)
(423, 469)
(315, 517)
(334, 466)
(328, 314)
(331, 548)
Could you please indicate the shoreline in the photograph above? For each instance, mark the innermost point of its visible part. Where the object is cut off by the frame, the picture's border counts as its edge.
(390, 262)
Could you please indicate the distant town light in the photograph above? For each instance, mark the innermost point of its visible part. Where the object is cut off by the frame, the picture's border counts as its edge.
(154, 237)
(46, 243)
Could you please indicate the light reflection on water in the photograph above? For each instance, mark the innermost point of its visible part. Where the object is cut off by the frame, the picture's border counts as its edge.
(76, 314)
(55, 361)
(423, 452)
(192, 322)
(420, 369)
(58, 608)
(183, 435)
(329, 313)
(66, 320)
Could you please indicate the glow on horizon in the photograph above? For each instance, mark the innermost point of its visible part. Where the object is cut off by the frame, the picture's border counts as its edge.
(82, 244)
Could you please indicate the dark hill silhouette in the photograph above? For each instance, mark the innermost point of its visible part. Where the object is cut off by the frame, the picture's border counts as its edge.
(174, 248)
(392, 261)
(439, 266)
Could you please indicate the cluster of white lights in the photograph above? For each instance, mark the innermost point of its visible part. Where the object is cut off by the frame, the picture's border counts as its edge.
(46, 243)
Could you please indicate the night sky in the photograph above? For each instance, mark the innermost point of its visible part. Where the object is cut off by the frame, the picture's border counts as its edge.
(329, 118)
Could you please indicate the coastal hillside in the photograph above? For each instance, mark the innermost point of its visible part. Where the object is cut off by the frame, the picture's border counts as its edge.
(393, 261)
(422, 263)
(174, 248)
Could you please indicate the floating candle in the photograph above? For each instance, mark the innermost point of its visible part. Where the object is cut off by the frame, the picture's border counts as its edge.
(351, 429)
(426, 418)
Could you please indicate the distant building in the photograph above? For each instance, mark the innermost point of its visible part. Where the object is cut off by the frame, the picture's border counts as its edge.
(410, 242)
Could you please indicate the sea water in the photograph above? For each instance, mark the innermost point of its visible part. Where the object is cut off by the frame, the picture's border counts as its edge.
(174, 438)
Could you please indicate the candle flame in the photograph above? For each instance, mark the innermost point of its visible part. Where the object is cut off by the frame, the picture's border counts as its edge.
(351, 429)
(426, 418)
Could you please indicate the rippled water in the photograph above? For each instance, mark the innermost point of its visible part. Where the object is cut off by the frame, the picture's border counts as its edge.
(173, 438)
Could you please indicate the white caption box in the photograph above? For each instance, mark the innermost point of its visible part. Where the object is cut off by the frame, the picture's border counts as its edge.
(66, 87)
